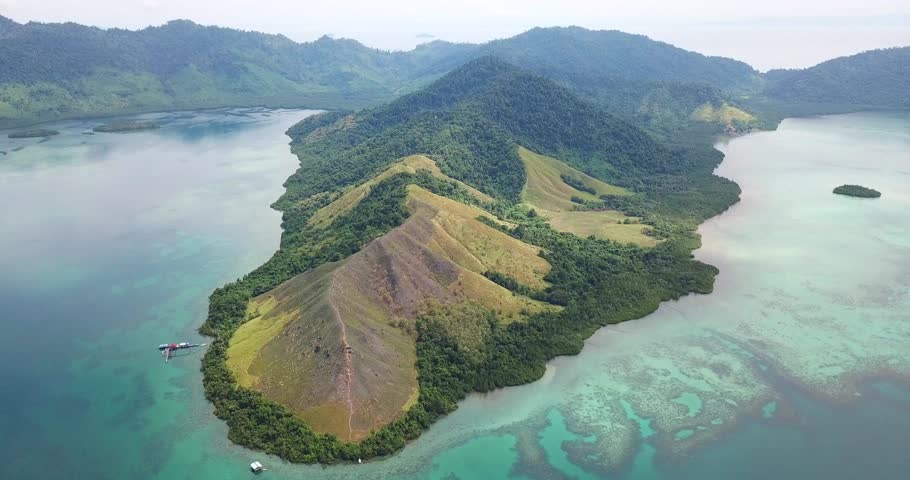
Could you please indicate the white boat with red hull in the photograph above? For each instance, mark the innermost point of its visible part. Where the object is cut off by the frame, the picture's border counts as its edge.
(167, 349)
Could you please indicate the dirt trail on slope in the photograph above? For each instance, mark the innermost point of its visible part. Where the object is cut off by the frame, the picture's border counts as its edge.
(348, 370)
(366, 305)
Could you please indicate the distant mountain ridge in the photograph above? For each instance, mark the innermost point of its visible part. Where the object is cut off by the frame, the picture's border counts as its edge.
(879, 78)
(654, 84)
(566, 51)
(52, 71)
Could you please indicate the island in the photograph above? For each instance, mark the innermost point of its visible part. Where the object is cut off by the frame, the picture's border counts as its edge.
(125, 126)
(35, 133)
(857, 191)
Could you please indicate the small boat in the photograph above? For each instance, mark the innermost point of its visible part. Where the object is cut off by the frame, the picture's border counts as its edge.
(257, 467)
(168, 348)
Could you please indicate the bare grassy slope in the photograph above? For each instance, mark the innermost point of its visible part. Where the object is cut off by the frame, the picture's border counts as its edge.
(546, 191)
(725, 114)
(343, 204)
(545, 188)
(335, 344)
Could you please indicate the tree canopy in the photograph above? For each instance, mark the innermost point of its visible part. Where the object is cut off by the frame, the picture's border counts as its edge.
(878, 78)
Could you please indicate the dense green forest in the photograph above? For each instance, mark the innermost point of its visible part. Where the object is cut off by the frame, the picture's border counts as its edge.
(652, 84)
(487, 110)
(182, 65)
(877, 78)
(611, 53)
(471, 122)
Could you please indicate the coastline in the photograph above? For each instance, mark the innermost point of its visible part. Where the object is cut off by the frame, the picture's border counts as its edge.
(77, 117)
(119, 241)
(843, 392)
(666, 304)
(769, 374)
(214, 368)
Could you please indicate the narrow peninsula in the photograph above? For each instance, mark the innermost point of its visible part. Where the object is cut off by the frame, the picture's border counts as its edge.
(36, 133)
(432, 248)
(125, 126)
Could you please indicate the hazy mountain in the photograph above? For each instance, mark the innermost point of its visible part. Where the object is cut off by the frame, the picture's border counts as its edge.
(875, 78)
(572, 52)
(651, 83)
(51, 71)
(56, 70)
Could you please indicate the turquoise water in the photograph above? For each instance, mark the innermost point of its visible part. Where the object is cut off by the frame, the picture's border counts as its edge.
(111, 244)
(796, 367)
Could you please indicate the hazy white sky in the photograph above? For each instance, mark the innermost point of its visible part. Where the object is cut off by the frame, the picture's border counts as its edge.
(764, 33)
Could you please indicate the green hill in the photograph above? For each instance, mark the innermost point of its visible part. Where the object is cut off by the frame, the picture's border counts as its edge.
(409, 252)
(650, 83)
(574, 51)
(877, 78)
(488, 104)
(335, 344)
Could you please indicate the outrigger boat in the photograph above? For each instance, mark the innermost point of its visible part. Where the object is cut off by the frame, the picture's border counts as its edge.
(167, 348)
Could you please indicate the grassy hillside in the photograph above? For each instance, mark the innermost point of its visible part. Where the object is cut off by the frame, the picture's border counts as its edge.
(350, 198)
(423, 246)
(725, 114)
(547, 188)
(571, 201)
(471, 125)
(336, 344)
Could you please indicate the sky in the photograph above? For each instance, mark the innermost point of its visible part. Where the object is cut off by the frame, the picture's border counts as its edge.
(765, 33)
